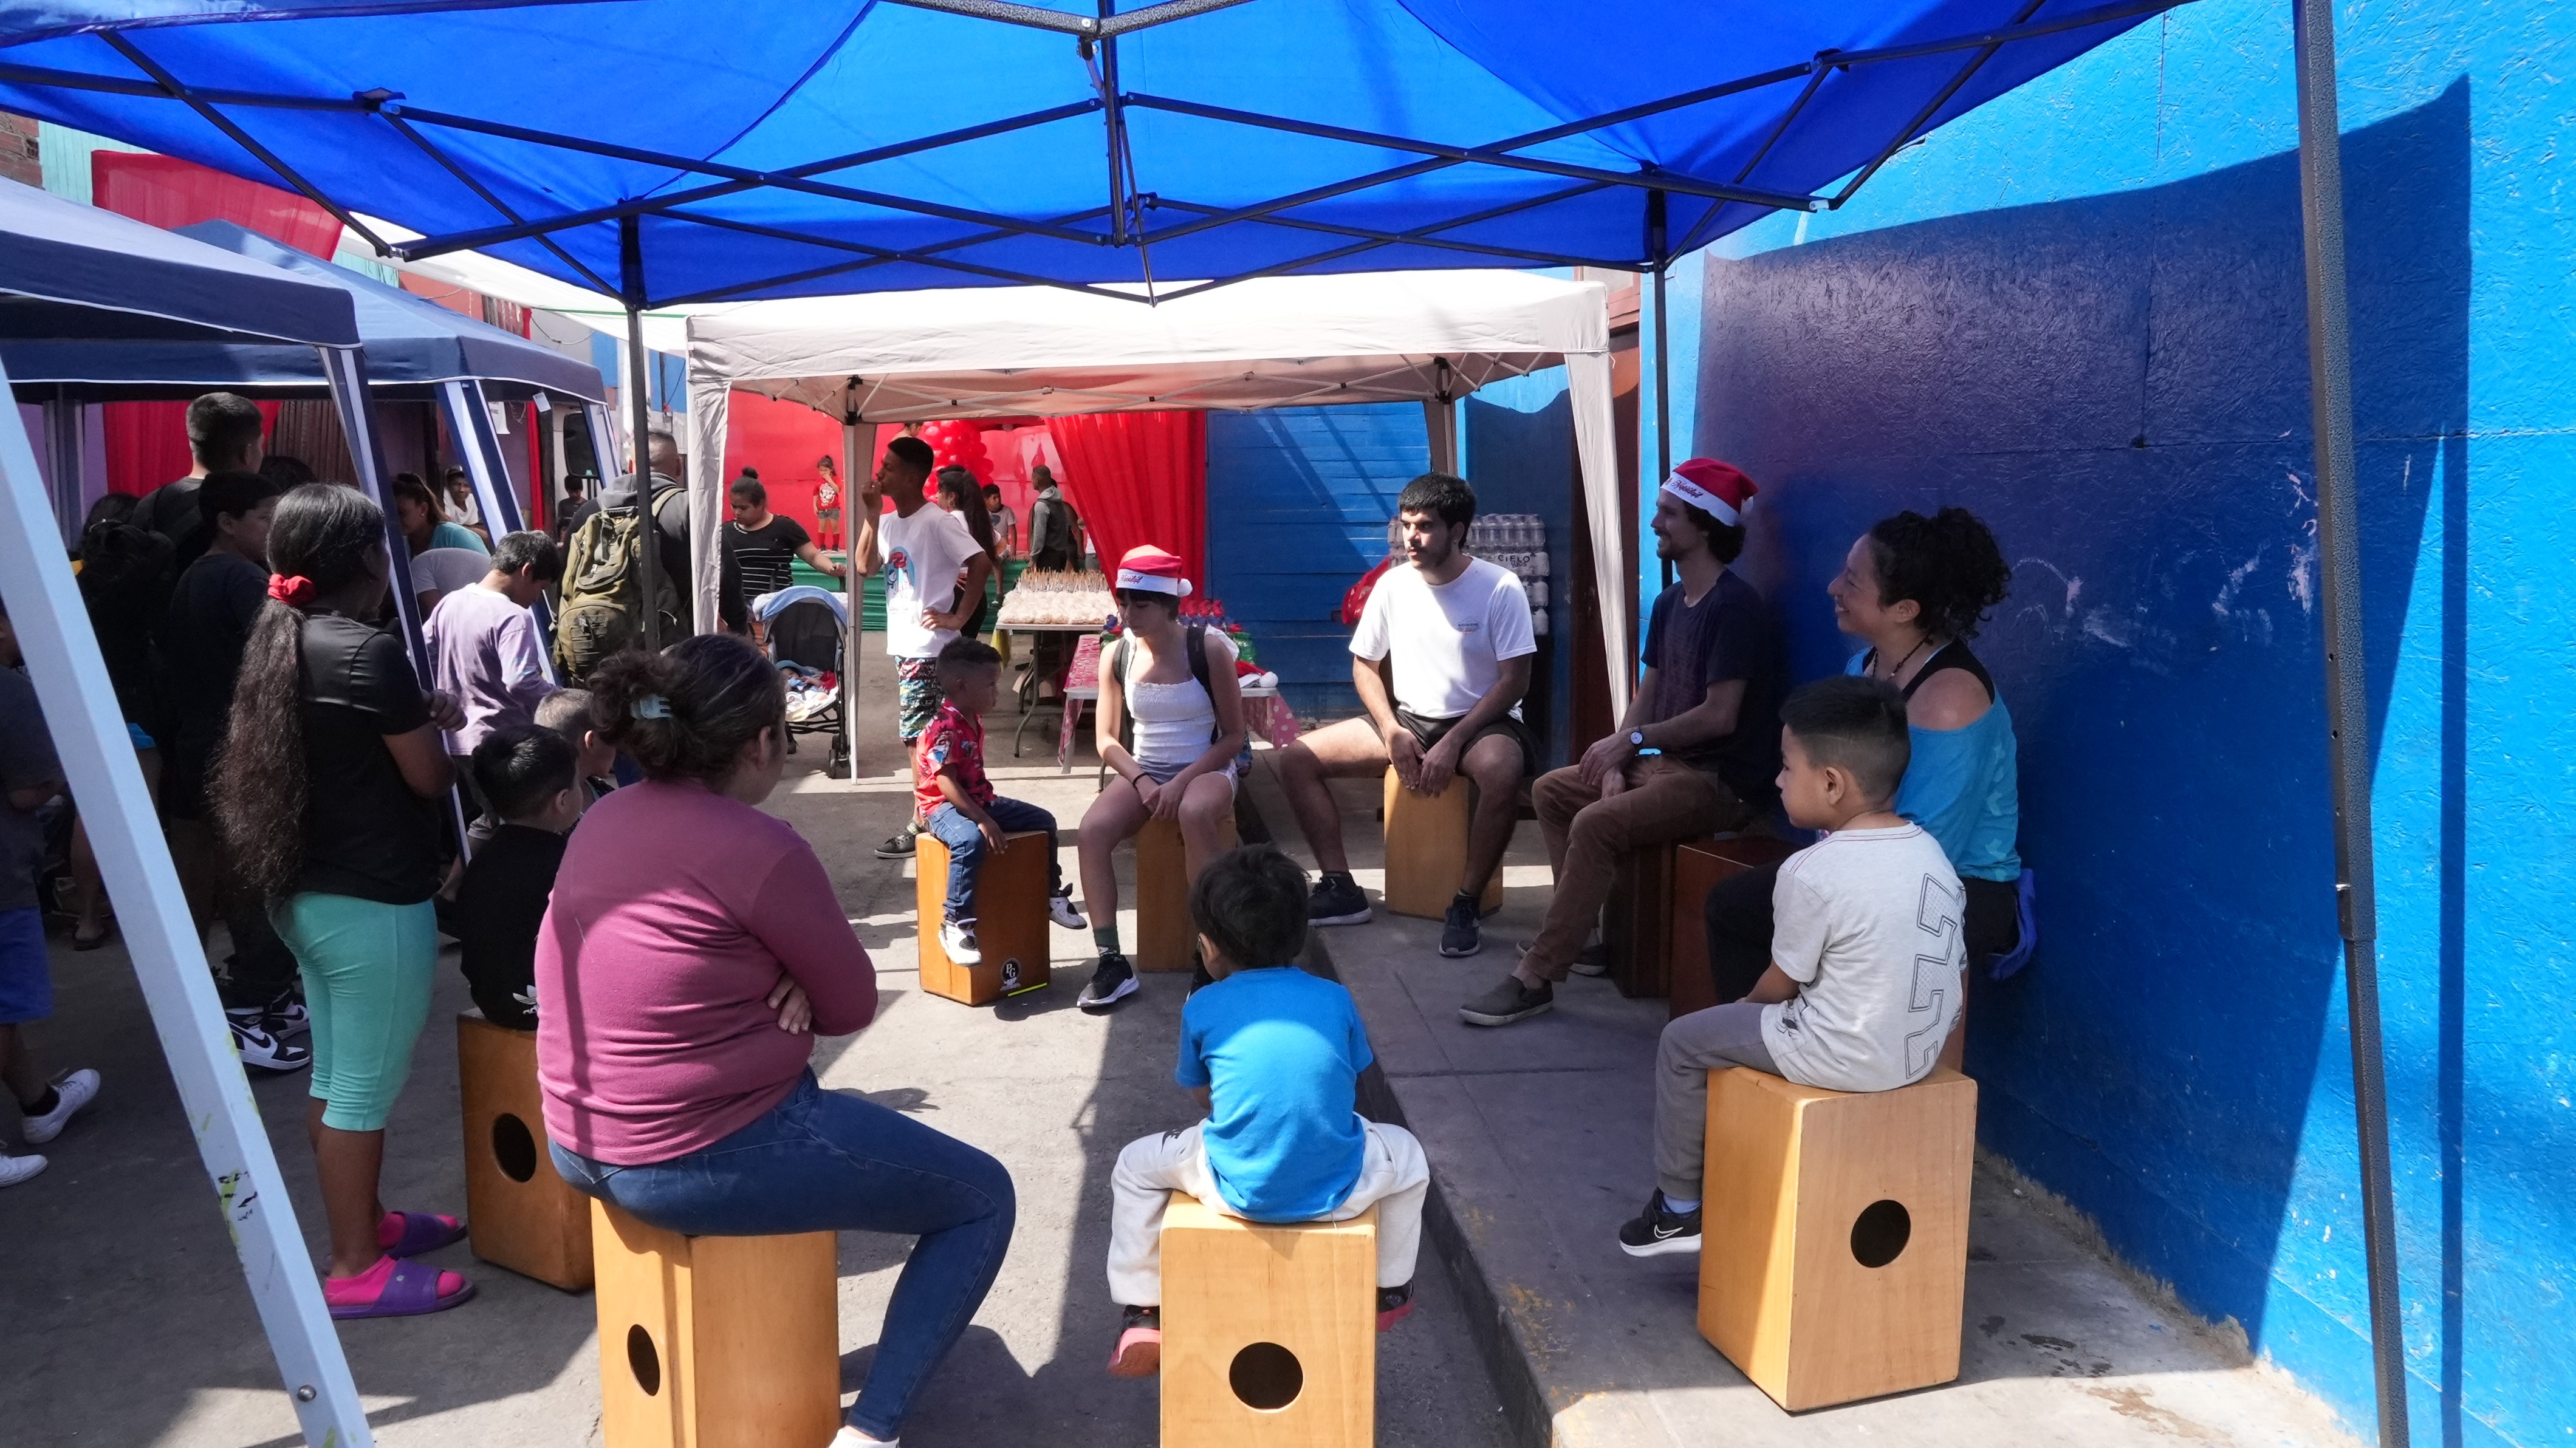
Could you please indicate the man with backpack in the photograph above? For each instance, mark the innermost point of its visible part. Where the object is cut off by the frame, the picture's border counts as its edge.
(603, 580)
(1053, 525)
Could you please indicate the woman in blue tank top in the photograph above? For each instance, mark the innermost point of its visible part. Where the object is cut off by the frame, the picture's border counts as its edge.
(1915, 590)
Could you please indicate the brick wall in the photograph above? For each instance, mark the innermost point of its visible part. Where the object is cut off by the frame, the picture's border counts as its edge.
(18, 150)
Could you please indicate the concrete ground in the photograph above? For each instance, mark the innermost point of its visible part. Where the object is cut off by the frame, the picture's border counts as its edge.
(124, 1320)
(1540, 1145)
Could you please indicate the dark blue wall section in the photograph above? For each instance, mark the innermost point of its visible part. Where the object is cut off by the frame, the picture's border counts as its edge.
(1298, 500)
(2117, 383)
(1520, 459)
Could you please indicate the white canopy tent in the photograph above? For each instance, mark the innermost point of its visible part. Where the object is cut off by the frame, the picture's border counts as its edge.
(1431, 337)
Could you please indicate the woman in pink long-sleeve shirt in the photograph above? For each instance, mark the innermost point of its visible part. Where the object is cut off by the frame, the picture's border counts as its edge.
(691, 948)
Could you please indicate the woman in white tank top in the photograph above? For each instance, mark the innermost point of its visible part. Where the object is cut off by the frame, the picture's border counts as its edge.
(1176, 762)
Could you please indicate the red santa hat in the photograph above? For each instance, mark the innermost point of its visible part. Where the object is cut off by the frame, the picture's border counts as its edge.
(1148, 569)
(1715, 488)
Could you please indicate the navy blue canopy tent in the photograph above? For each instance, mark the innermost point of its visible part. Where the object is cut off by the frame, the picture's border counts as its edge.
(413, 346)
(414, 349)
(666, 152)
(68, 272)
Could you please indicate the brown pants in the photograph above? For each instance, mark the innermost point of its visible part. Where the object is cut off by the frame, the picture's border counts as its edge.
(1587, 837)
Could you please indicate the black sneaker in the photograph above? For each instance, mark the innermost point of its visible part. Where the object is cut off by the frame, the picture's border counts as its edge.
(1593, 959)
(898, 846)
(1198, 975)
(1394, 1305)
(1509, 1001)
(1659, 1232)
(1337, 901)
(1112, 981)
(257, 1046)
(1459, 934)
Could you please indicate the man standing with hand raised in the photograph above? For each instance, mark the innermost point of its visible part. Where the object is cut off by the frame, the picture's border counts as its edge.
(921, 550)
(1699, 749)
(1457, 632)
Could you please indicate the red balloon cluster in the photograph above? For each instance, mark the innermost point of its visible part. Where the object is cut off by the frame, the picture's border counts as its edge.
(958, 442)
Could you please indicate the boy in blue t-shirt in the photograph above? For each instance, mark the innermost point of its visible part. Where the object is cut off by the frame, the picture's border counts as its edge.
(1274, 1057)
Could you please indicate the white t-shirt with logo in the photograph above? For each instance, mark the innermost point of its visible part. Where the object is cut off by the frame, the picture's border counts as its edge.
(1449, 641)
(1867, 923)
(923, 556)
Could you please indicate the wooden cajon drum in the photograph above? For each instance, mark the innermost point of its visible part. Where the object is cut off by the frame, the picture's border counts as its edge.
(1164, 931)
(518, 1213)
(1835, 1263)
(1010, 919)
(716, 1342)
(1426, 850)
(1636, 921)
(1697, 867)
(1269, 1333)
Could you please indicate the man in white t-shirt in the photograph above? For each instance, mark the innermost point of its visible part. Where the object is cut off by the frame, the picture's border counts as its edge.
(921, 549)
(1454, 633)
(1863, 989)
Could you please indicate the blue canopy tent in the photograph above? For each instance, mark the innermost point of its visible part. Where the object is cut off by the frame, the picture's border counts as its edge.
(68, 272)
(905, 144)
(415, 350)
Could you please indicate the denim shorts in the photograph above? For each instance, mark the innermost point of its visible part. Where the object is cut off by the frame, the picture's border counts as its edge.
(26, 972)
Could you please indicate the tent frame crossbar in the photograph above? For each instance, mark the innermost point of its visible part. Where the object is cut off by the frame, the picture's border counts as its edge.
(1124, 214)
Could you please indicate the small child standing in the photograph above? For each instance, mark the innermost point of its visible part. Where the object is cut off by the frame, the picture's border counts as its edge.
(29, 779)
(957, 803)
(526, 773)
(1863, 986)
(1274, 1057)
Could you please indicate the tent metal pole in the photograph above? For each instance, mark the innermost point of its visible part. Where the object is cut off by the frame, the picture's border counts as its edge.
(639, 387)
(1658, 234)
(2347, 700)
(98, 762)
(851, 462)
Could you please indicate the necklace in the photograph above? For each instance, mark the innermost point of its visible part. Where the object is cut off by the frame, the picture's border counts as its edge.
(1909, 658)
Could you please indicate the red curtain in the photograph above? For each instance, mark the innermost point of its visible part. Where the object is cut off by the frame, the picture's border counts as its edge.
(1138, 477)
(171, 193)
(147, 442)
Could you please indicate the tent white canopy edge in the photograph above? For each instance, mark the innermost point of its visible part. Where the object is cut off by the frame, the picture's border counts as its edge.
(1277, 342)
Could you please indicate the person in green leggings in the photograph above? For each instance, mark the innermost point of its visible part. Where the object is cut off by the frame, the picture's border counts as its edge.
(326, 798)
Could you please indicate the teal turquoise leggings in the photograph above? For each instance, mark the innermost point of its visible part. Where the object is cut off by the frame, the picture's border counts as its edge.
(367, 969)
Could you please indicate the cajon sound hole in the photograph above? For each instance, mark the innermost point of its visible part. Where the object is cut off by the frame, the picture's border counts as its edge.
(1266, 1376)
(1880, 1232)
(644, 1360)
(513, 1147)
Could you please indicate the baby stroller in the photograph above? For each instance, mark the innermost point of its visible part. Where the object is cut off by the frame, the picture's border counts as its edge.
(803, 625)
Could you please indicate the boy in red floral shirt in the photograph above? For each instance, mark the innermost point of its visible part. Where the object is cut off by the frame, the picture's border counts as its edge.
(957, 802)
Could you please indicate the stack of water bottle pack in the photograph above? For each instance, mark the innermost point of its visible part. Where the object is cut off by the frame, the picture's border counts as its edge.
(1517, 541)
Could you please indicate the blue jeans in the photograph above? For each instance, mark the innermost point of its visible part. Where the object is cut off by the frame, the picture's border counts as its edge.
(824, 1161)
(966, 847)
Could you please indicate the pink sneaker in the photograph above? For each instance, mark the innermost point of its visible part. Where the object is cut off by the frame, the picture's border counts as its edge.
(1140, 1345)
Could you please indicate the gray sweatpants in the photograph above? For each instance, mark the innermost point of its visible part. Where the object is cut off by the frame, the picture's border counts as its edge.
(1692, 1046)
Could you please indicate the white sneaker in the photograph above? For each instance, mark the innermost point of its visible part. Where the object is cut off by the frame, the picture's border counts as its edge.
(850, 1437)
(1060, 910)
(71, 1093)
(15, 1169)
(957, 939)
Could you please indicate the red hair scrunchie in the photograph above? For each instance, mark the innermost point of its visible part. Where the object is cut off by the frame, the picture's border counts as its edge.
(293, 590)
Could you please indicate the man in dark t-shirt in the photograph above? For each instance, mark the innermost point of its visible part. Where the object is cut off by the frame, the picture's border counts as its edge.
(1698, 750)
(765, 545)
(224, 435)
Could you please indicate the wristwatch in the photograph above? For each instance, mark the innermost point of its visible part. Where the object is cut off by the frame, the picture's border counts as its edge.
(1636, 738)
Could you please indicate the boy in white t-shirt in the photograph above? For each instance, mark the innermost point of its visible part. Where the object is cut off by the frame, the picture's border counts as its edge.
(922, 549)
(1863, 988)
(1454, 633)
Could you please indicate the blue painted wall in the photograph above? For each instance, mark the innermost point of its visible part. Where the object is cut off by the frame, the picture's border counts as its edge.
(2079, 311)
(1298, 500)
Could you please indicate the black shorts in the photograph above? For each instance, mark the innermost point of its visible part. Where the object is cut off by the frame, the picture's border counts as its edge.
(1427, 732)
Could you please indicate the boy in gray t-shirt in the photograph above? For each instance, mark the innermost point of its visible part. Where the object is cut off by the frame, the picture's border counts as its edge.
(1863, 987)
